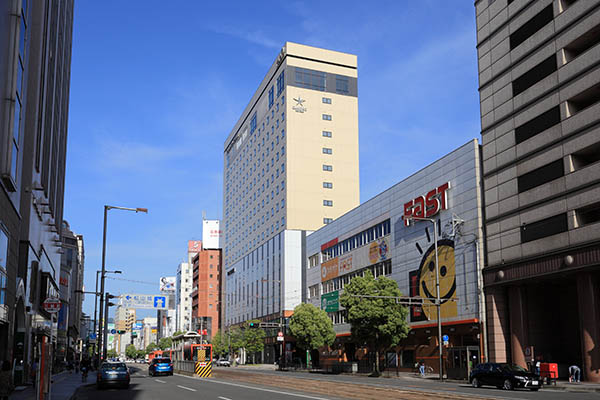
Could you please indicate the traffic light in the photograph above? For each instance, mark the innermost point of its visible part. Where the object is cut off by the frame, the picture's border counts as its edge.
(121, 332)
(253, 325)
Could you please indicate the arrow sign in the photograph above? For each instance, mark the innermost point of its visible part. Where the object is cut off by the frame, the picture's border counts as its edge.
(159, 302)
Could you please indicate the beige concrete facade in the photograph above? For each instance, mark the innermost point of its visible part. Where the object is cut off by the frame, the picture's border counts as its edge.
(290, 165)
(539, 85)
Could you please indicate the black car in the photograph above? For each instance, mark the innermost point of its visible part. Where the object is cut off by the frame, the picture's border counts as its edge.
(112, 374)
(504, 376)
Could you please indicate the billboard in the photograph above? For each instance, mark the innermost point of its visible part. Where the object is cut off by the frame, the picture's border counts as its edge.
(211, 234)
(194, 246)
(167, 284)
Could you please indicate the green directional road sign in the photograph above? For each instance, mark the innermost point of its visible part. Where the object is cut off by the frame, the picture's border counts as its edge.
(330, 302)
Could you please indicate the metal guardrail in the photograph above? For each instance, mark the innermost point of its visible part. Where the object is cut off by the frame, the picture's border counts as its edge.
(184, 366)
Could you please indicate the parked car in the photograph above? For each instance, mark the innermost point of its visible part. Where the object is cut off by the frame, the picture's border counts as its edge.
(223, 362)
(112, 374)
(504, 376)
(160, 365)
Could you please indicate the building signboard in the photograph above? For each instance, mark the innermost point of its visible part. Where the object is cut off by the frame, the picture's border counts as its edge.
(167, 284)
(211, 234)
(330, 302)
(329, 269)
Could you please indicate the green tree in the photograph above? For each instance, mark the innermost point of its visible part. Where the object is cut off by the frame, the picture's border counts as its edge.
(219, 344)
(379, 323)
(130, 351)
(140, 354)
(236, 338)
(311, 327)
(165, 343)
(111, 353)
(178, 333)
(254, 338)
(151, 347)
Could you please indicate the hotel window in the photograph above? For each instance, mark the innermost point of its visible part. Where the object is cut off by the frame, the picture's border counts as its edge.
(280, 83)
(341, 84)
(327, 220)
(328, 203)
(328, 168)
(326, 100)
(327, 185)
(327, 150)
(310, 79)
(253, 123)
(271, 97)
(326, 134)
(326, 117)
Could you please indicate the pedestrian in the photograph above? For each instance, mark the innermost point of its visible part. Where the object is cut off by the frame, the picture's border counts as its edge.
(6, 384)
(574, 374)
(33, 371)
(422, 369)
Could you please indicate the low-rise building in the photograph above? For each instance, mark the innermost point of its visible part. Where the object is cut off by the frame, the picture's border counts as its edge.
(384, 236)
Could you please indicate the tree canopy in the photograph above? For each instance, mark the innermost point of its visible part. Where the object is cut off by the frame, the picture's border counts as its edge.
(151, 347)
(254, 338)
(165, 343)
(130, 351)
(311, 327)
(219, 344)
(380, 323)
(111, 353)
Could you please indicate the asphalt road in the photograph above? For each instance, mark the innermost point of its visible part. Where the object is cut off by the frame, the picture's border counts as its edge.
(250, 384)
(181, 387)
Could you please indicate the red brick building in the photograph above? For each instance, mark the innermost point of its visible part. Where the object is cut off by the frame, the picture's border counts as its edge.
(206, 289)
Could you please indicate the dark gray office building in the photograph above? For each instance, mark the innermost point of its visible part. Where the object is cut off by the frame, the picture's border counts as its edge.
(35, 65)
(539, 85)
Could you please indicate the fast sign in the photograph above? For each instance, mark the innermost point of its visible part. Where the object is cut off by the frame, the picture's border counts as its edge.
(428, 205)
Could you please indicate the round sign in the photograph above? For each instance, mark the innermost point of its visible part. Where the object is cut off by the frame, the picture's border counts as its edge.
(113, 331)
(51, 305)
(445, 338)
(280, 334)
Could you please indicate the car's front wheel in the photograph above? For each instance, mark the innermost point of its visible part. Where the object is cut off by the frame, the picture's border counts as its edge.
(507, 385)
(475, 383)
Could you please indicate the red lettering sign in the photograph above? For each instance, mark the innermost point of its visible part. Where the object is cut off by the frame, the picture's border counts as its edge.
(427, 206)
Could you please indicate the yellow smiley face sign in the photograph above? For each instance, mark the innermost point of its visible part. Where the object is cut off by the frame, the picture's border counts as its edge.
(447, 278)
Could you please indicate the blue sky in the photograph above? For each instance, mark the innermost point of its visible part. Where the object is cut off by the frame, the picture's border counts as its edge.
(156, 89)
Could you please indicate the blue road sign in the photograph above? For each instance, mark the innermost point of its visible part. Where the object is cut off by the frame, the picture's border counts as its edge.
(445, 338)
(160, 301)
(113, 331)
(93, 336)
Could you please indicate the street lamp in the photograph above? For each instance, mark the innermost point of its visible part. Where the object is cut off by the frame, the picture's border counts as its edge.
(438, 301)
(106, 209)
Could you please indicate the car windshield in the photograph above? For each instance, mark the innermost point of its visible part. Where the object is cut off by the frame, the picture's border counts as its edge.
(163, 360)
(114, 367)
(513, 368)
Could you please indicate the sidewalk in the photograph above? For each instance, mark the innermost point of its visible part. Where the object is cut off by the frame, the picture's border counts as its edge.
(582, 387)
(64, 385)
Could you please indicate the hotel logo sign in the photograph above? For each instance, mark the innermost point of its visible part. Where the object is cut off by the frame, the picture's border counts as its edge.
(299, 107)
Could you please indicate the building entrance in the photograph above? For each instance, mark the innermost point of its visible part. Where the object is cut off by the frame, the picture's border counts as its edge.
(461, 360)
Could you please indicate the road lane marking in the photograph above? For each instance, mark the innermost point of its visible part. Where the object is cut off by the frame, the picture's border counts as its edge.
(255, 388)
(158, 380)
(187, 388)
(223, 398)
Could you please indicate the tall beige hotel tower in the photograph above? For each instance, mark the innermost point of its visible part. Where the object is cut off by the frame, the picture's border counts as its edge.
(290, 166)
